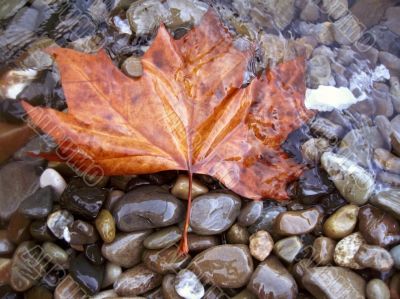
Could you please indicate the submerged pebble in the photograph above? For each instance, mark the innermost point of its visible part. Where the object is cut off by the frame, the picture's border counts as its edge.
(353, 182)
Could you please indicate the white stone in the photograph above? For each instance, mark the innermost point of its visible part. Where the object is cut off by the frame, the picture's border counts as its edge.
(188, 286)
(122, 25)
(51, 177)
(328, 98)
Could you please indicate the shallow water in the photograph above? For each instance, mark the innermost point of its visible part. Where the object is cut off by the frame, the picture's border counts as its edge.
(352, 53)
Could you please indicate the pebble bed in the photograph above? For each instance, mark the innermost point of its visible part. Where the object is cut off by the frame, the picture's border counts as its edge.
(67, 236)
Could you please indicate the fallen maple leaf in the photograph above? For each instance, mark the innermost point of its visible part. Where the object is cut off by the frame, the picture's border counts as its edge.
(187, 112)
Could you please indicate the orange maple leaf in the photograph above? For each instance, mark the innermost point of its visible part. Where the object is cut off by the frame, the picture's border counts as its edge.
(186, 112)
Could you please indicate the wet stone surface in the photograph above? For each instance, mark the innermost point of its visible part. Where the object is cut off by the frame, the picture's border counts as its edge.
(214, 213)
(155, 205)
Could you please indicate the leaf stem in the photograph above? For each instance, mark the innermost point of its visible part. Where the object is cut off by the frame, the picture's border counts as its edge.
(183, 247)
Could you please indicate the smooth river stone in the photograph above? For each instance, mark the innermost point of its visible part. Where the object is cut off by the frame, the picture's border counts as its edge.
(250, 213)
(18, 180)
(378, 227)
(82, 200)
(27, 266)
(377, 289)
(354, 183)
(272, 280)
(188, 285)
(39, 204)
(12, 137)
(333, 283)
(214, 213)
(147, 207)
(375, 257)
(88, 275)
(341, 223)
(389, 200)
(126, 250)
(297, 222)
(168, 287)
(6, 246)
(225, 266)
(167, 260)
(163, 238)
(137, 281)
(181, 187)
(199, 243)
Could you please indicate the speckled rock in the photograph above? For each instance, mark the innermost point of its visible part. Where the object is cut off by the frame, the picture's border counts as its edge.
(149, 202)
(346, 249)
(272, 280)
(214, 212)
(126, 250)
(261, 245)
(225, 266)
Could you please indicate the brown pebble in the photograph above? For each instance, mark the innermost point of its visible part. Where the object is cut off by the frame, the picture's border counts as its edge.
(341, 223)
(377, 289)
(181, 187)
(168, 287)
(297, 222)
(323, 250)
(237, 235)
(375, 257)
(261, 245)
(137, 281)
(105, 225)
(18, 228)
(378, 227)
(200, 243)
(132, 67)
(167, 260)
